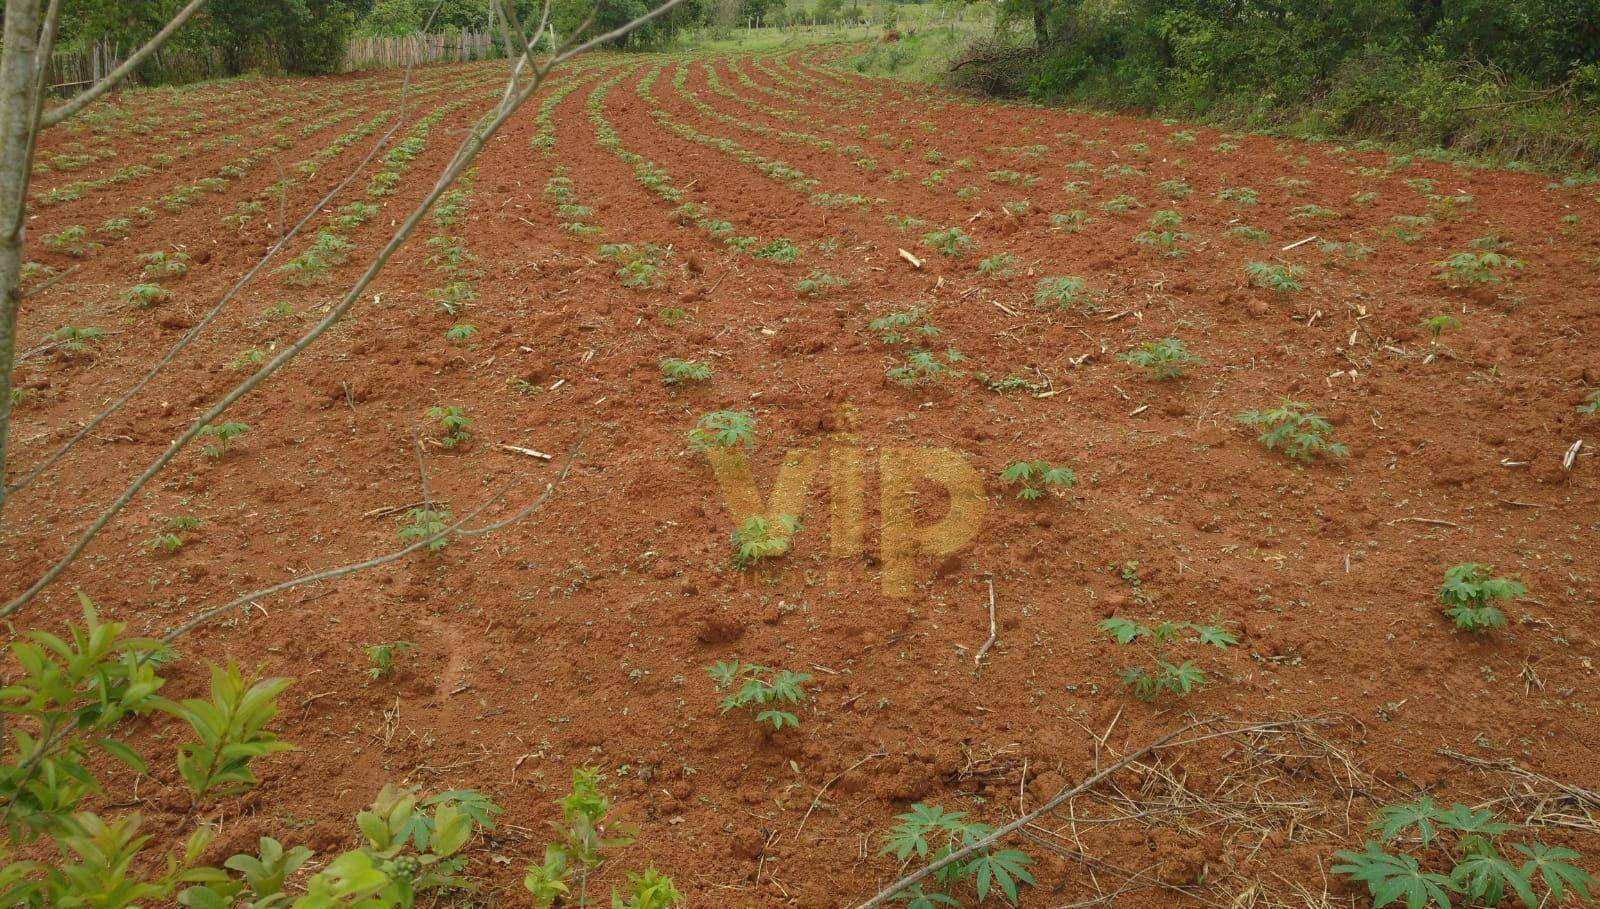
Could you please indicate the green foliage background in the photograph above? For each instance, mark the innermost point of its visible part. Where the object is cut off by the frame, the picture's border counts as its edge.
(1511, 79)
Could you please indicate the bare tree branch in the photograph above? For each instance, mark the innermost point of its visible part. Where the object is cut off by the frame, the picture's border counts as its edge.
(58, 114)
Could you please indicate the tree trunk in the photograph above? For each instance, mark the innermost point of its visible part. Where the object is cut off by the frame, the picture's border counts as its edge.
(19, 105)
(1041, 31)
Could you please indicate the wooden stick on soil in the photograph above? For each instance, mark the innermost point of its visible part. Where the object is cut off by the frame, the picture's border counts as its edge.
(836, 777)
(977, 659)
(1433, 522)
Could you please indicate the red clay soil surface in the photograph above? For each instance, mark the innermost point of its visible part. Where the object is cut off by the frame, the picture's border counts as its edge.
(578, 636)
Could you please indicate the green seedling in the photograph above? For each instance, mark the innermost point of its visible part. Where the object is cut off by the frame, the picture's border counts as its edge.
(1280, 279)
(1063, 292)
(455, 423)
(723, 429)
(1036, 478)
(1436, 325)
(923, 368)
(144, 296)
(1239, 195)
(950, 242)
(428, 524)
(761, 691)
(998, 266)
(1070, 221)
(817, 284)
(1161, 359)
(903, 327)
(759, 538)
(245, 359)
(223, 434)
(678, 372)
(930, 834)
(586, 833)
(1474, 269)
(1474, 863)
(1294, 431)
(1247, 234)
(1148, 684)
(74, 241)
(781, 251)
(383, 657)
(71, 340)
(460, 332)
(168, 539)
(162, 264)
(1469, 594)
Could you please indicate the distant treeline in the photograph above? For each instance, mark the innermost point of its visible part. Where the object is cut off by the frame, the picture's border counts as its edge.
(312, 37)
(1515, 78)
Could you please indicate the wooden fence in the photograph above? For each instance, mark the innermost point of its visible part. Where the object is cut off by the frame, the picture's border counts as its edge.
(378, 53)
(71, 71)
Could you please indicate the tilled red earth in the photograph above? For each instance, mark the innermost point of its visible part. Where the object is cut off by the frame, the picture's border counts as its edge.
(577, 637)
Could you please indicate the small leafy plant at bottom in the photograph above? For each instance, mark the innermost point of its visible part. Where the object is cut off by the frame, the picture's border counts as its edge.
(1037, 478)
(679, 372)
(759, 538)
(383, 657)
(1480, 870)
(455, 423)
(168, 539)
(1469, 594)
(1164, 677)
(1161, 359)
(460, 332)
(723, 429)
(930, 833)
(223, 434)
(585, 833)
(1292, 430)
(760, 691)
(426, 524)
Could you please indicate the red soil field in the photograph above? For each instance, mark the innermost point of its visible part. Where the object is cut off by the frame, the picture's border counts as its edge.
(578, 637)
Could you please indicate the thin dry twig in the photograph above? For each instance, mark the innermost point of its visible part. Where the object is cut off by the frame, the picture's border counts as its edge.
(977, 658)
(834, 779)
